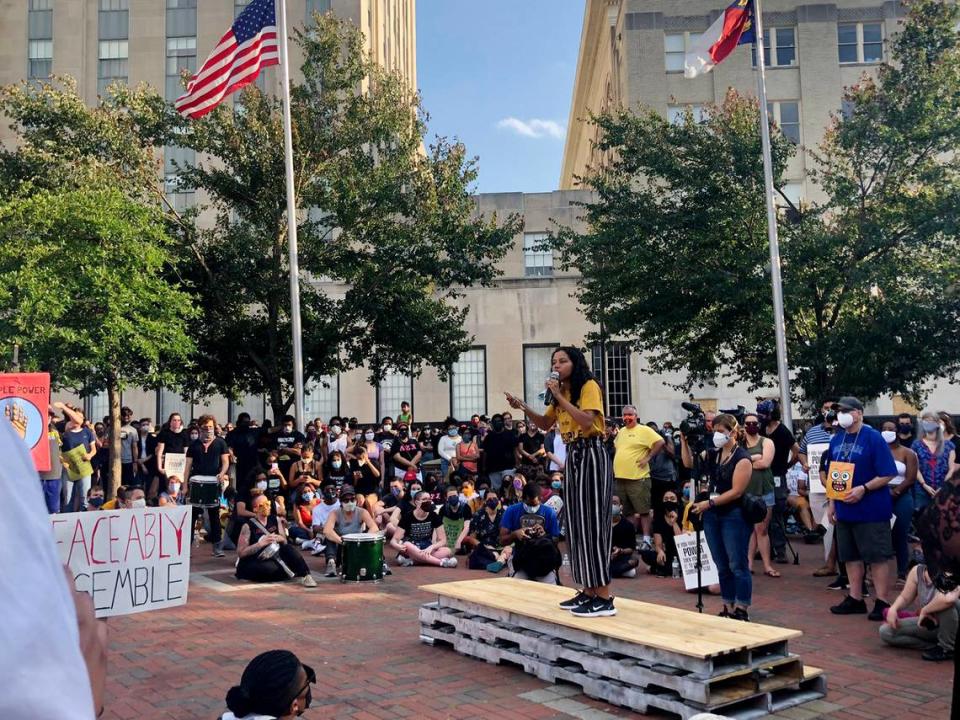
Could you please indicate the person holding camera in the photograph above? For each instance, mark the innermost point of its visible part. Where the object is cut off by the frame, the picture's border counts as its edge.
(533, 530)
(934, 629)
(729, 468)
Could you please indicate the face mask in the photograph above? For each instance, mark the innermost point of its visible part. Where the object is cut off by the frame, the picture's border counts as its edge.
(492, 503)
(404, 434)
(669, 507)
(889, 436)
(905, 430)
(95, 501)
(209, 433)
(845, 419)
(452, 432)
(368, 436)
(194, 436)
(556, 484)
(141, 503)
(396, 492)
(174, 488)
(686, 493)
(387, 427)
(453, 501)
(308, 496)
(497, 425)
(349, 506)
(752, 429)
(261, 485)
(530, 508)
(482, 492)
(336, 464)
(330, 497)
(720, 439)
(517, 484)
(929, 427)
(426, 506)
(335, 430)
(466, 438)
(617, 509)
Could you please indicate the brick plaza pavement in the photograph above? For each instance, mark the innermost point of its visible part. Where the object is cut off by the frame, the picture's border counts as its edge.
(363, 642)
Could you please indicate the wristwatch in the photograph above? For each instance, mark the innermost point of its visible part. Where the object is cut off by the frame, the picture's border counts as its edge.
(711, 503)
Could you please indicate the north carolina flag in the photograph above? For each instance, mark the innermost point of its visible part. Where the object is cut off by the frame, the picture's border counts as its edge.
(734, 27)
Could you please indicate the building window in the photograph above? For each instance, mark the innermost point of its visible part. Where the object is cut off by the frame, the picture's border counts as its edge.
(172, 401)
(537, 258)
(615, 378)
(860, 42)
(536, 370)
(114, 5)
(174, 160)
(181, 55)
(317, 6)
(784, 50)
(113, 64)
(394, 389)
(786, 114)
(40, 59)
(676, 114)
(40, 39)
(97, 406)
(322, 398)
(675, 47)
(468, 384)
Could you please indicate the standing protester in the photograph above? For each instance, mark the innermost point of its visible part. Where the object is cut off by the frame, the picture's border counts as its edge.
(935, 456)
(498, 452)
(785, 451)
(577, 409)
(635, 445)
(147, 460)
(468, 452)
(821, 434)
(405, 454)
(208, 456)
(901, 490)
(129, 448)
(447, 448)
(862, 517)
(760, 450)
(173, 438)
(50, 479)
(244, 442)
(949, 435)
(663, 470)
(729, 468)
(288, 443)
(531, 447)
(78, 446)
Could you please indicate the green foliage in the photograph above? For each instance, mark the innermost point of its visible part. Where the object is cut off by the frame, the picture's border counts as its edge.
(870, 270)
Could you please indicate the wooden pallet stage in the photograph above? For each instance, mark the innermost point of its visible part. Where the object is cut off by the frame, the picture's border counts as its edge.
(648, 657)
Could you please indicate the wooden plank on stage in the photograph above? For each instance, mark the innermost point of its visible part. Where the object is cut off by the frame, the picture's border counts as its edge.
(678, 631)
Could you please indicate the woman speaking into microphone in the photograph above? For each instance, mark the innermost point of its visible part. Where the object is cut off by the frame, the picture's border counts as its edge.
(576, 405)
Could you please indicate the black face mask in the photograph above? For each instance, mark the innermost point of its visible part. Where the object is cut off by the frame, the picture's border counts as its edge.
(670, 507)
(497, 425)
(905, 430)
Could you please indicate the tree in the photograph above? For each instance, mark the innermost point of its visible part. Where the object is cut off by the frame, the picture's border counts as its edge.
(870, 271)
(389, 227)
(82, 292)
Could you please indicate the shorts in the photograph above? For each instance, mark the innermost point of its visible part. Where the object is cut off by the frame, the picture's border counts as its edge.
(869, 542)
(634, 495)
(770, 499)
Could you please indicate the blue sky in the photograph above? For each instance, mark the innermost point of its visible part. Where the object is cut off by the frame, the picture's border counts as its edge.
(498, 75)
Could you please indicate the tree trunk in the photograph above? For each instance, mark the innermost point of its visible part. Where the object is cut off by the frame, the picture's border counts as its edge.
(113, 396)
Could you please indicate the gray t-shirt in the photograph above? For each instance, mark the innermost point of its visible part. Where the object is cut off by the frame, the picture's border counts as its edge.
(129, 438)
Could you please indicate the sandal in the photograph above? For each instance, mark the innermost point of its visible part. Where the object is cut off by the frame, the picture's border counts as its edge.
(771, 573)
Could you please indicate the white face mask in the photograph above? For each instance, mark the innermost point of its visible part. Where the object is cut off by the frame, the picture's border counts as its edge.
(335, 430)
(368, 436)
(845, 419)
(530, 508)
(175, 488)
(141, 503)
(889, 436)
(349, 506)
(262, 485)
(720, 439)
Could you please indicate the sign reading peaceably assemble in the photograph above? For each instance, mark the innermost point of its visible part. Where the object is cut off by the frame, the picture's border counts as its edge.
(128, 561)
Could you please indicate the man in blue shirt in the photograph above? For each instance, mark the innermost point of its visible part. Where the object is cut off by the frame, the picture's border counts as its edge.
(534, 530)
(862, 516)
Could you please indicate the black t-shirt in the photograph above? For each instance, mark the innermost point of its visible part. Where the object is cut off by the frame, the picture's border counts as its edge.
(418, 531)
(364, 481)
(498, 450)
(391, 501)
(462, 512)
(665, 530)
(283, 440)
(245, 443)
(625, 535)
(173, 442)
(486, 531)
(407, 449)
(721, 476)
(783, 442)
(336, 476)
(206, 461)
(531, 443)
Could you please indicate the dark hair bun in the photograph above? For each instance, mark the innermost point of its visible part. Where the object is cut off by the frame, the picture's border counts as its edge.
(238, 701)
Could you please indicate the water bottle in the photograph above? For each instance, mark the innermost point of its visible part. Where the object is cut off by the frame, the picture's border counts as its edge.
(676, 567)
(566, 560)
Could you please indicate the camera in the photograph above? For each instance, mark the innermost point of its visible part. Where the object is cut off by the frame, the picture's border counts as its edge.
(694, 426)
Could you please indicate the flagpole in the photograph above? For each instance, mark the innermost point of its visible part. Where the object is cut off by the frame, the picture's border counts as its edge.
(783, 373)
(295, 327)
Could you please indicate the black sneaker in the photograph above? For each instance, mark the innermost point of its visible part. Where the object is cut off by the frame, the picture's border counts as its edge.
(724, 613)
(740, 614)
(937, 654)
(595, 607)
(841, 583)
(877, 614)
(849, 606)
(576, 601)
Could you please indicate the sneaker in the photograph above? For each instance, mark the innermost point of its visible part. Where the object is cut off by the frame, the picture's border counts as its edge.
(450, 562)
(308, 582)
(724, 613)
(331, 568)
(878, 612)
(849, 606)
(937, 654)
(386, 569)
(404, 561)
(841, 583)
(595, 607)
(632, 572)
(218, 551)
(576, 601)
(317, 549)
(740, 614)
(495, 566)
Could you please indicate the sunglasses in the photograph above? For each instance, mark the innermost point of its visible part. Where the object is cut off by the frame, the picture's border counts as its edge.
(311, 680)
(752, 424)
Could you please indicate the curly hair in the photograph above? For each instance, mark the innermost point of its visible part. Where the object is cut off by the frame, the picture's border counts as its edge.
(581, 371)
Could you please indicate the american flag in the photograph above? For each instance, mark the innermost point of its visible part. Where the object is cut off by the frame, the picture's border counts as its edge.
(249, 45)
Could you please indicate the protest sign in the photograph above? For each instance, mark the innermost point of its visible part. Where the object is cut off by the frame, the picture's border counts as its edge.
(174, 464)
(687, 551)
(815, 453)
(24, 400)
(129, 561)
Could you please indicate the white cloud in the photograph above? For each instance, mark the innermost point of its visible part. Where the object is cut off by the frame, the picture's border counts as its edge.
(533, 128)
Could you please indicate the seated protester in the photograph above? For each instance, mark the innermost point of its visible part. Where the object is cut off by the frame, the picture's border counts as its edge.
(118, 500)
(302, 526)
(666, 526)
(275, 684)
(434, 485)
(134, 498)
(622, 560)
(172, 494)
(420, 537)
(534, 531)
(95, 498)
(348, 519)
(276, 480)
(483, 541)
(469, 496)
(336, 472)
(512, 486)
(456, 516)
(304, 470)
(365, 473)
(244, 502)
(263, 550)
(405, 453)
(328, 505)
(798, 499)
(288, 444)
(934, 629)
(555, 500)
(395, 504)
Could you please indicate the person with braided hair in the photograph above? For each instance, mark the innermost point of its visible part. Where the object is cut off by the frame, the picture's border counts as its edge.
(275, 685)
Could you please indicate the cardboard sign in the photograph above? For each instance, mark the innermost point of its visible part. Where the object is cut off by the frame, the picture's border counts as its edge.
(815, 453)
(839, 479)
(24, 400)
(129, 561)
(687, 552)
(174, 464)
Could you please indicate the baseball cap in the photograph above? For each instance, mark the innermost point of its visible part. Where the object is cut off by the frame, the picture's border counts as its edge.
(849, 403)
(346, 490)
(410, 475)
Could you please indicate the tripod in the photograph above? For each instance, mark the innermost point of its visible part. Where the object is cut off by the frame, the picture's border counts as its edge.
(698, 480)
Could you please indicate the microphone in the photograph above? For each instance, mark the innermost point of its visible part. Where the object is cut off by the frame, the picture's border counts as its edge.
(690, 407)
(547, 395)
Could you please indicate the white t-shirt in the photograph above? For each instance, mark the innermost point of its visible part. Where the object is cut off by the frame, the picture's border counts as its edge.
(447, 447)
(321, 511)
(559, 450)
(40, 638)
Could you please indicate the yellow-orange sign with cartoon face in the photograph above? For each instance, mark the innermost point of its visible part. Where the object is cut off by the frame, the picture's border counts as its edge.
(839, 479)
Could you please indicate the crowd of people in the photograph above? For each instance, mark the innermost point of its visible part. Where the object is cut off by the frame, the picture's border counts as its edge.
(492, 493)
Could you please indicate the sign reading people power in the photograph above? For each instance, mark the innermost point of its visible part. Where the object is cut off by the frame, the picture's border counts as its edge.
(129, 561)
(24, 400)
(687, 551)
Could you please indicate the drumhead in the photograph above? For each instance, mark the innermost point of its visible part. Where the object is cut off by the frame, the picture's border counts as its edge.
(362, 537)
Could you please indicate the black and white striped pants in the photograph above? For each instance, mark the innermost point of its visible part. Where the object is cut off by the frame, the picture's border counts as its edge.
(587, 494)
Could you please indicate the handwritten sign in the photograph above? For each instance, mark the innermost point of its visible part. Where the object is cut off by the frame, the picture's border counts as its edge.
(24, 400)
(687, 551)
(129, 561)
(174, 464)
(815, 453)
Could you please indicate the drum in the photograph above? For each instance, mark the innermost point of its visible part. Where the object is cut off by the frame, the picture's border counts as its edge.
(362, 558)
(205, 491)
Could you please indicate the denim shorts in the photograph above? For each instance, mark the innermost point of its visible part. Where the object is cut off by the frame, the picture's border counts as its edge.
(770, 499)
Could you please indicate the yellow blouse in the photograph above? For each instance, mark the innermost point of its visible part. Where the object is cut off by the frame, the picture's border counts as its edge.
(590, 399)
